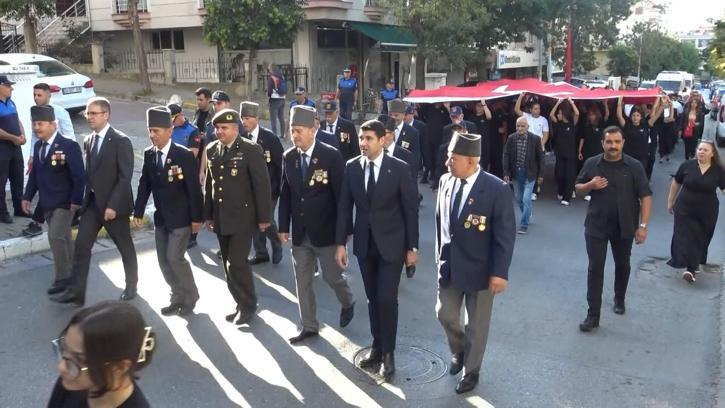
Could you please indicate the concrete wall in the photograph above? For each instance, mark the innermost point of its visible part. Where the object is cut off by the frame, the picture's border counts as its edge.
(163, 13)
(195, 48)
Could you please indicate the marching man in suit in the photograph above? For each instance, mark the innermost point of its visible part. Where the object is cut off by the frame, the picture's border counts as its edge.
(238, 202)
(272, 147)
(475, 233)
(311, 185)
(59, 177)
(108, 202)
(406, 136)
(343, 129)
(169, 173)
(385, 235)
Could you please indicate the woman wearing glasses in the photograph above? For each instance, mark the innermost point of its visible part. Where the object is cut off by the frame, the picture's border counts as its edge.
(99, 353)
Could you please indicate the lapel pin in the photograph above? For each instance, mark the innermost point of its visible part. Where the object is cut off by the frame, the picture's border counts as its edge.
(314, 160)
(470, 201)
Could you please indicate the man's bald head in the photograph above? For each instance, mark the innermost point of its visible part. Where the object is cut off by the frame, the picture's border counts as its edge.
(522, 125)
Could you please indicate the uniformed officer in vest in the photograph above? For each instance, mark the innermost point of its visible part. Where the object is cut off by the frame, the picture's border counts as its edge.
(311, 185)
(58, 175)
(169, 172)
(273, 151)
(238, 202)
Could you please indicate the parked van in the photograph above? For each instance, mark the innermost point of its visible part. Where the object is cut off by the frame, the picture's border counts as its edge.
(671, 81)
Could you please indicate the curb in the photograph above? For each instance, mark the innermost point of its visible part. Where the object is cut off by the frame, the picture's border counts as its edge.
(19, 247)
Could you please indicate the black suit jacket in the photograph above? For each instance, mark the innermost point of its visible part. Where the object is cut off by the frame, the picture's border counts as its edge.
(534, 156)
(238, 192)
(327, 138)
(176, 189)
(273, 152)
(406, 156)
(60, 177)
(108, 175)
(311, 204)
(409, 139)
(346, 135)
(392, 216)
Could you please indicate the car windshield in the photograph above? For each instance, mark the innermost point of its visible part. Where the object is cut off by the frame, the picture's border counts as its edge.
(671, 86)
(647, 85)
(51, 68)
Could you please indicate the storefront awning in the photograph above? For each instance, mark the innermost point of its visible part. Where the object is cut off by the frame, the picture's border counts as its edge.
(390, 38)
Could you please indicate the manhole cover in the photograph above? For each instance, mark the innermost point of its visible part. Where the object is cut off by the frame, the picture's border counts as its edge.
(413, 365)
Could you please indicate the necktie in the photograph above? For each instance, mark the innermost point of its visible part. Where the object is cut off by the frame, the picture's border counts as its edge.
(329, 128)
(397, 134)
(96, 141)
(226, 150)
(457, 203)
(159, 160)
(43, 152)
(371, 181)
(303, 167)
(387, 151)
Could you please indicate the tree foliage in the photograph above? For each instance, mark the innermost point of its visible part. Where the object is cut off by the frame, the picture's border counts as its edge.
(716, 50)
(623, 60)
(661, 52)
(30, 11)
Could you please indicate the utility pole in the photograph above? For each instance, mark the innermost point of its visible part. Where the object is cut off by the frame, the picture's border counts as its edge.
(639, 61)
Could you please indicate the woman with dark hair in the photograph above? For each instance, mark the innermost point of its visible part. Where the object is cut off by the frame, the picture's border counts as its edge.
(693, 201)
(637, 132)
(669, 130)
(99, 353)
(590, 138)
(692, 123)
(564, 117)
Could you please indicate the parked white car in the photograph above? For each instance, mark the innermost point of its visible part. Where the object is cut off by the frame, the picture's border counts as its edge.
(595, 83)
(69, 89)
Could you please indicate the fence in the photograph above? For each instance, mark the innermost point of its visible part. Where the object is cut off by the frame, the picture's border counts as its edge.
(295, 76)
(201, 70)
(125, 61)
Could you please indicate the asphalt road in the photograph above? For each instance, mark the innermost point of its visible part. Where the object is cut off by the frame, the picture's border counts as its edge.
(664, 352)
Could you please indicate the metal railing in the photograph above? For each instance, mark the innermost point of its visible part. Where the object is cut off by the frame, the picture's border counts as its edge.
(295, 76)
(125, 61)
(77, 9)
(201, 70)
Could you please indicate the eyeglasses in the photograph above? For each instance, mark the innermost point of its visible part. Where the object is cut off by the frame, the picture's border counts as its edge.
(91, 113)
(72, 367)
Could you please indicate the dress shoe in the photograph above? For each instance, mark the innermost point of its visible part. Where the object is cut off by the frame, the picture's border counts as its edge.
(589, 324)
(185, 310)
(410, 271)
(456, 364)
(55, 288)
(192, 243)
(230, 317)
(258, 259)
(128, 294)
(467, 383)
(219, 254)
(346, 315)
(276, 255)
(372, 360)
(303, 335)
(67, 296)
(34, 229)
(388, 368)
(170, 310)
(245, 316)
(6, 218)
(618, 306)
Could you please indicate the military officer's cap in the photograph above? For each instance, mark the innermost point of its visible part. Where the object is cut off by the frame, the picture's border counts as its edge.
(328, 106)
(42, 113)
(226, 116)
(388, 122)
(347, 69)
(397, 106)
(302, 115)
(465, 144)
(220, 96)
(158, 117)
(249, 109)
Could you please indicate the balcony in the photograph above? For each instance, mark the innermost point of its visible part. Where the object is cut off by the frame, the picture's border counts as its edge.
(373, 10)
(201, 5)
(328, 4)
(120, 13)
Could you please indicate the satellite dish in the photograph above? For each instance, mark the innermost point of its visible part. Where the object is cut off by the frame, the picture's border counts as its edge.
(176, 99)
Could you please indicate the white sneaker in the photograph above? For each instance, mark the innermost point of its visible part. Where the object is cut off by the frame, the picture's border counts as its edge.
(587, 198)
(534, 197)
(573, 195)
(559, 197)
(564, 202)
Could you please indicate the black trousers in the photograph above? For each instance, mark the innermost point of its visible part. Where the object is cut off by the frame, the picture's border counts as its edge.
(667, 139)
(690, 147)
(240, 280)
(565, 171)
(381, 279)
(259, 238)
(346, 107)
(12, 169)
(597, 252)
(119, 229)
(651, 158)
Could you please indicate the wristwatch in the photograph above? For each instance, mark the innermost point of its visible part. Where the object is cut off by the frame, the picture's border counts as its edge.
(643, 226)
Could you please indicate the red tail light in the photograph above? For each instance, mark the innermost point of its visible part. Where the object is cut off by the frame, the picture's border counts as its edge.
(54, 88)
(88, 84)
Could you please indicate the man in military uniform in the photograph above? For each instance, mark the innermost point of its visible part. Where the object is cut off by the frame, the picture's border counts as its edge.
(59, 177)
(475, 233)
(346, 93)
(238, 202)
(311, 185)
(169, 172)
(343, 129)
(272, 148)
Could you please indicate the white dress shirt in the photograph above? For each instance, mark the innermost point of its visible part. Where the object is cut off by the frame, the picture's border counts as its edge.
(466, 189)
(164, 152)
(391, 150)
(331, 127)
(102, 135)
(308, 152)
(50, 145)
(378, 161)
(254, 134)
(398, 130)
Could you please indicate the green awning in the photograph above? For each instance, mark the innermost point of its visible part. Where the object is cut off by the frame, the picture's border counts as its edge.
(390, 38)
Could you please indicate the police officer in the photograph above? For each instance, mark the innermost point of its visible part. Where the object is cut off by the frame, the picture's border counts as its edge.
(12, 136)
(346, 93)
(387, 94)
(301, 98)
(58, 175)
(310, 194)
(343, 129)
(238, 201)
(169, 173)
(272, 147)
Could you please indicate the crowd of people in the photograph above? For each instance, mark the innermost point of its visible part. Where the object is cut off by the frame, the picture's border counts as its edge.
(337, 183)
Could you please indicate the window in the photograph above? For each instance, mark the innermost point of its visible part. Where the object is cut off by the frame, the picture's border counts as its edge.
(167, 40)
(51, 68)
(335, 38)
(121, 6)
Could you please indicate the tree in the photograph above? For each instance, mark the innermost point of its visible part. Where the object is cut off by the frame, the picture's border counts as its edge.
(245, 24)
(143, 70)
(623, 60)
(661, 52)
(29, 11)
(716, 50)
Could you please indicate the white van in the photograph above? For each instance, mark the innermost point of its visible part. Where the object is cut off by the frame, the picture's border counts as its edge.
(671, 81)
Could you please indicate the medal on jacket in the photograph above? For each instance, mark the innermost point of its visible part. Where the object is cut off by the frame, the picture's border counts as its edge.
(175, 171)
(234, 172)
(467, 224)
(268, 156)
(344, 137)
(405, 145)
(479, 221)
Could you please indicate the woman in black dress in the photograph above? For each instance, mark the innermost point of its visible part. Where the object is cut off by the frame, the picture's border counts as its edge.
(99, 353)
(637, 131)
(692, 123)
(564, 117)
(693, 201)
